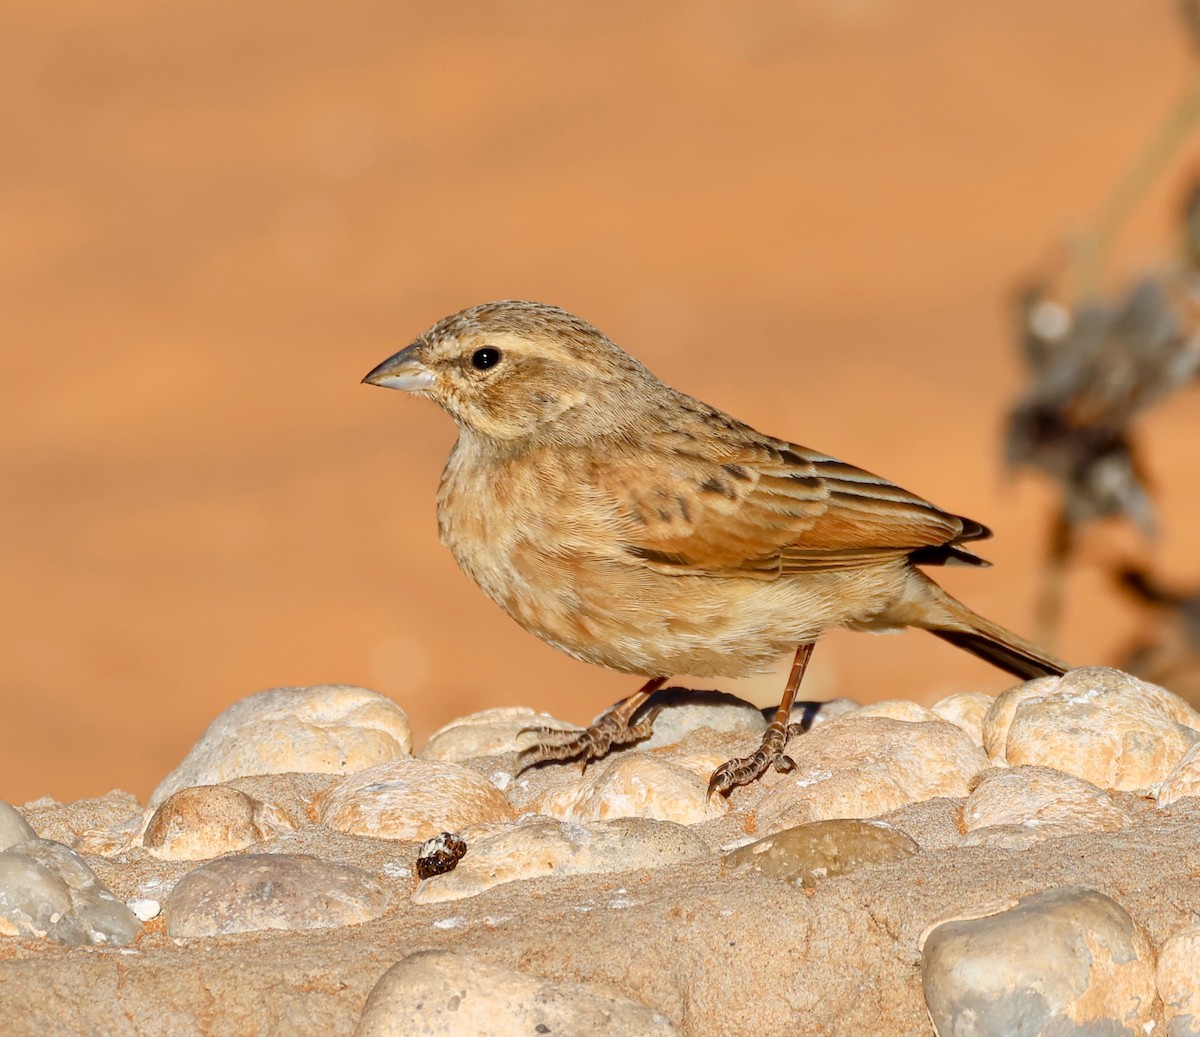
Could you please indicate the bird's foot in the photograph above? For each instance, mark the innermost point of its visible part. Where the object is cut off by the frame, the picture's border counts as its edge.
(745, 769)
(614, 727)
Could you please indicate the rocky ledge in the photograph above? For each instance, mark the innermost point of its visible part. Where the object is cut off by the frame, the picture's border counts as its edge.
(1024, 864)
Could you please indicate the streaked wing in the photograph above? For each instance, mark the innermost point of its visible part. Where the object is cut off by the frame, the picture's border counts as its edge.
(766, 507)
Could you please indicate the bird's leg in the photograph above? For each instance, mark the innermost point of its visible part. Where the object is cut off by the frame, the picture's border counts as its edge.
(745, 769)
(611, 728)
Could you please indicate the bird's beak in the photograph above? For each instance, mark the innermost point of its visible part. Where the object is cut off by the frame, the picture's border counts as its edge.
(402, 371)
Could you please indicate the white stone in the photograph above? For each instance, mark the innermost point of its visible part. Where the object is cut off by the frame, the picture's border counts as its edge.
(966, 709)
(860, 767)
(1097, 723)
(326, 728)
(490, 732)
(411, 799)
(897, 709)
(1183, 781)
(1044, 800)
(633, 785)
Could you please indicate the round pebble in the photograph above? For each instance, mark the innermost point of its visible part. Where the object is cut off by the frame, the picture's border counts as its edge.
(966, 709)
(411, 799)
(1066, 961)
(859, 767)
(897, 709)
(326, 728)
(809, 853)
(633, 785)
(490, 732)
(46, 890)
(1183, 781)
(247, 892)
(1178, 980)
(443, 992)
(209, 820)
(1097, 723)
(14, 828)
(682, 711)
(1047, 802)
(541, 847)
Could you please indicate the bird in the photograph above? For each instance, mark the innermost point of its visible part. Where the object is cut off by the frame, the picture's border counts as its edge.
(637, 528)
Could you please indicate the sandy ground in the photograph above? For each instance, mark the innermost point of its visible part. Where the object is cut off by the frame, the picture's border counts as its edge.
(218, 216)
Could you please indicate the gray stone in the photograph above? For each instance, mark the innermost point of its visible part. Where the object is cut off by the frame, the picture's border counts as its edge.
(271, 891)
(14, 828)
(1068, 961)
(46, 890)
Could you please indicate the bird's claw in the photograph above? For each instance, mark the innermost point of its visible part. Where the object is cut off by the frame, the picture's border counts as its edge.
(745, 769)
(610, 729)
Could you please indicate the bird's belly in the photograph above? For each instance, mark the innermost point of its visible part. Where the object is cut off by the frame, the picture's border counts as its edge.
(630, 618)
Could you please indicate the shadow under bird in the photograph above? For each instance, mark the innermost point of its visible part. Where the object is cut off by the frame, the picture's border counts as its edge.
(637, 528)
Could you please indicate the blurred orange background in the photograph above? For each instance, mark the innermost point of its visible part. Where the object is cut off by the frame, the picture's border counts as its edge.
(218, 216)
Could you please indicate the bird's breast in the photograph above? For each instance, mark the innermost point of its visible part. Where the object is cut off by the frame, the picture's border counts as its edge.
(545, 546)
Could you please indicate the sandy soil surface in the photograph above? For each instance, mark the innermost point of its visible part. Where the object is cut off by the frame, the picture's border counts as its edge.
(218, 216)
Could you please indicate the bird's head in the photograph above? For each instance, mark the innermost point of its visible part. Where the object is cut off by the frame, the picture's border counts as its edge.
(511, 371)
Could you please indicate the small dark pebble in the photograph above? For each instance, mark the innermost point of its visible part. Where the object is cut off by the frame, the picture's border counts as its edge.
(440, 855)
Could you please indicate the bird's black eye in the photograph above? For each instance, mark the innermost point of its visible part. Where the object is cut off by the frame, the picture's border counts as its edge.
(482, 359)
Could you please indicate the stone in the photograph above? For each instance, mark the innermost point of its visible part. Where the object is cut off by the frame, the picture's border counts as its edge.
(248, 892)
(634, 784)
(14, 828)
(1064, 961)
(411, 799)
(490, 732)
(47, 890)
(966, 709)
(809, 853)
(1042, 800)
(144, 908)
(540, 847)
(897, 709)
(210, 820)
(444, 992)
(1183, 781)
(326, 728)
(811, 714)
(1178, 981)
(859, 767)
(1097, 723)
(682, 711)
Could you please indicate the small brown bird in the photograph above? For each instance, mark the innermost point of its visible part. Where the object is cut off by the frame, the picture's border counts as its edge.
(635, 527)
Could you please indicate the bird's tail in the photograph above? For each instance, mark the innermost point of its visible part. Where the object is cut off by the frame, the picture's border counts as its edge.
(952, 621)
